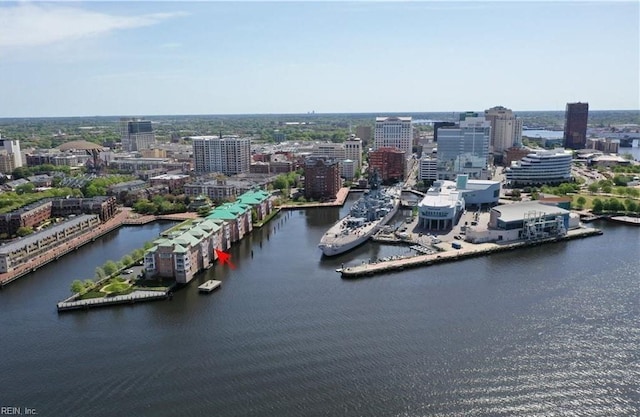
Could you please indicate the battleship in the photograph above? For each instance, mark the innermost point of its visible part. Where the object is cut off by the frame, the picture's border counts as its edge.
(367, 215)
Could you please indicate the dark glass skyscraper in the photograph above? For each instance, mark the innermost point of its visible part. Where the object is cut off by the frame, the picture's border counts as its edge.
(575, 125)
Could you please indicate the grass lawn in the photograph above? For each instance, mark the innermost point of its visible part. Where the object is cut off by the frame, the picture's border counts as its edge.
(115, 286)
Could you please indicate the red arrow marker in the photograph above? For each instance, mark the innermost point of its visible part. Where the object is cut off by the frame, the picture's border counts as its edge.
(224, 258)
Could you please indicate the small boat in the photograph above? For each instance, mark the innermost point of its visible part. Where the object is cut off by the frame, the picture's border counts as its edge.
(209, 286)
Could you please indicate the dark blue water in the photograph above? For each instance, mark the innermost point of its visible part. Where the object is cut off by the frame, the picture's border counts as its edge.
(550, 330)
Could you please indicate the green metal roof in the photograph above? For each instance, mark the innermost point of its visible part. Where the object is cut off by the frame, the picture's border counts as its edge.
(179, 249)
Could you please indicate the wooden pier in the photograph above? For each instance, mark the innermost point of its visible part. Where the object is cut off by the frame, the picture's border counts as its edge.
(136, 296)
(467, 250)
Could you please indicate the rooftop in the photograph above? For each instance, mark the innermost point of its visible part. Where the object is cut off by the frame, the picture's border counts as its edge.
(34, 238)
(516, 211)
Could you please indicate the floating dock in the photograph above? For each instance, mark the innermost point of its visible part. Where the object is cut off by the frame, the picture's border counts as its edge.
(209, 286)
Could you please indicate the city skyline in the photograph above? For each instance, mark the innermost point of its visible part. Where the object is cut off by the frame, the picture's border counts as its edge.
(155, 58)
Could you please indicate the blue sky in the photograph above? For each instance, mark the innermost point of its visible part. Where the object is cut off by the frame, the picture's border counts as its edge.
(150, 58)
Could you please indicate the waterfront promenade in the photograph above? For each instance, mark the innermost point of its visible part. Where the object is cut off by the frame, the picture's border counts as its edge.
(448, 254)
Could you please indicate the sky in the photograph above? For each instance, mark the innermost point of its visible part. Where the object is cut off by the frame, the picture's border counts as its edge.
(147, 58)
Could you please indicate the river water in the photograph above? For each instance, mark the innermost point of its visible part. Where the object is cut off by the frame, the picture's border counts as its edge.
(550, 330)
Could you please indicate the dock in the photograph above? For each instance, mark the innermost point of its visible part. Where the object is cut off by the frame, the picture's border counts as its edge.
(209, 286)
(132, 298)
(467, 250)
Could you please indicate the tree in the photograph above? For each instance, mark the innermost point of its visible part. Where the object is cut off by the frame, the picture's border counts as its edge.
(77, 286)
(630, 205)
(25, 188)
(24, 231)
(593, 187)
(110, 267)
(581, 202)
(100, 274)
(606, 189)
(615, 205)
(126, 260)
(597, 206)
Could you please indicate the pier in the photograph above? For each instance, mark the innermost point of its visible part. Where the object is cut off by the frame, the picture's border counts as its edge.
(132, 298)
(467, 250)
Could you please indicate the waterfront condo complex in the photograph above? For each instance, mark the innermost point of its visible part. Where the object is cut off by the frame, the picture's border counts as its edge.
(229, 155)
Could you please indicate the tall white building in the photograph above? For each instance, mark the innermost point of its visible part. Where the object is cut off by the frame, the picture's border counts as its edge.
(229, 155)
(541, 167)
(394, 132)
(464, 149)
(353, 150)
(136, 134)
(428, 169)
(506, 129)
(12, 149)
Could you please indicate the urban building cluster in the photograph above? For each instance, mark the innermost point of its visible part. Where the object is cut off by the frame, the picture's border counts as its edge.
(35, 214)
(445, 201)
(182, 253)
(20, 251)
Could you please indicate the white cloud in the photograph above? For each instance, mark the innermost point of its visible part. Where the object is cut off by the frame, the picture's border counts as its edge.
(28, 24)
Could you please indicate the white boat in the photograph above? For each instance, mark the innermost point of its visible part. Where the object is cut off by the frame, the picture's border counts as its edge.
(367, 215)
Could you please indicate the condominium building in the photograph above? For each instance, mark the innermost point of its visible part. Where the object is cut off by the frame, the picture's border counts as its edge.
(229, 155)
(541, 167)
(464, 149)
(389, 162)
(506, 129)
(575, 125)
(23, 250)
(185, 251)
(321, 178)
(394, 132)
(353, 150)
(136, 134)
(216, 190)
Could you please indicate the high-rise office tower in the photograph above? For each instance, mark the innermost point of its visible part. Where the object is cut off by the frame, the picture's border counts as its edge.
(506, 129)
(136, 134)
(464, 149)
(438, 125)
(575, 125)
(229, 155)
(394, 132)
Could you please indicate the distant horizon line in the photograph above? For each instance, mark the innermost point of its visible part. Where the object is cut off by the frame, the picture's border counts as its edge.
(292, 114)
